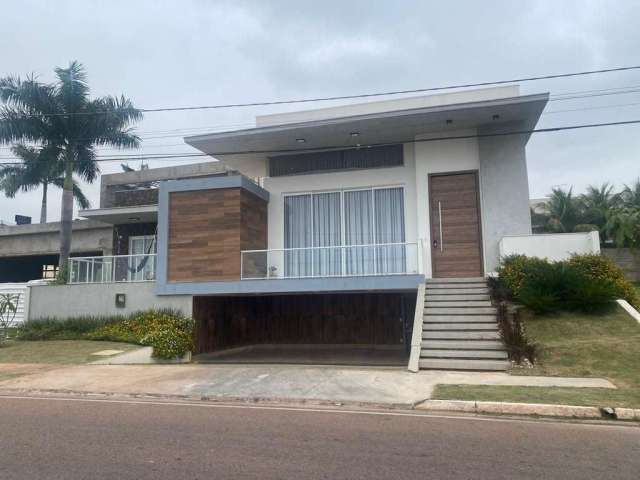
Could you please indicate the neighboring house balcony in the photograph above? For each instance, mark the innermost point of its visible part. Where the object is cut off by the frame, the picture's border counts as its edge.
(113, 268)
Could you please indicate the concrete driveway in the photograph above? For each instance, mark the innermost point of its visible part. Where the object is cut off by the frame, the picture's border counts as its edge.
(268, 382)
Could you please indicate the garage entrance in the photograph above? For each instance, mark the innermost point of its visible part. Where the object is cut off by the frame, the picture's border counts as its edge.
(319, 329)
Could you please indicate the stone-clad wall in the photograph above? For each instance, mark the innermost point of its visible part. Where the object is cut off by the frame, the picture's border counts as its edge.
(627, 259)
(207, 231)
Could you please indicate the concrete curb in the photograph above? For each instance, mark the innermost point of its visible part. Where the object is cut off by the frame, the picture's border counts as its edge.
(222, 399)
(633, 313)
(538, 409)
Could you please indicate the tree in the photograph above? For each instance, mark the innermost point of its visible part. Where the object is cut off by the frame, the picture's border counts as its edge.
(61, 115)
(597, 202)
(563, 211)
(623, 226)
(39, 167)
(631, 194)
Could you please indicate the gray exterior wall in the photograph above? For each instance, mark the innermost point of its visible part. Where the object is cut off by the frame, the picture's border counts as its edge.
(43, 239)
(62, 301)
(505, 190)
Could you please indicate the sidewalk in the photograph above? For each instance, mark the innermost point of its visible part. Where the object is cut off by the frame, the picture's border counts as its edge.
(374, 386)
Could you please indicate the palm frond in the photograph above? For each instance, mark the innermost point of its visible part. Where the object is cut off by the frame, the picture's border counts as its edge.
(86, 165)
(72, 90)
(78, 194)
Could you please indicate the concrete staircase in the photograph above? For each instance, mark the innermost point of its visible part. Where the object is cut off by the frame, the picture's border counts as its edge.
(459, 330)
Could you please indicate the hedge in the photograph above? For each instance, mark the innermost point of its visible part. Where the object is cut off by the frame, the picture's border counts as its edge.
(168, 331)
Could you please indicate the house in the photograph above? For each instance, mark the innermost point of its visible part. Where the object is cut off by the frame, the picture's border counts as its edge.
(318, 229)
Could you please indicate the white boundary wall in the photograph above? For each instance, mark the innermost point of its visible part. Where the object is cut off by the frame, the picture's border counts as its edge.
(17, 289)
(553, 246)
(62, 301)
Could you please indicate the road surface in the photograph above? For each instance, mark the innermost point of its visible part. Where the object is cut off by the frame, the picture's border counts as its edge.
(81, 439)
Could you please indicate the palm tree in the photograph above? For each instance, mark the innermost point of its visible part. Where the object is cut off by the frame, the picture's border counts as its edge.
(62, 115)
(597, 202)
(563, 210)
(39, 167)
(631, 194)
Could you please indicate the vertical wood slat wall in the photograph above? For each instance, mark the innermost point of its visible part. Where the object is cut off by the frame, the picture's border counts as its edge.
(350, 318)
(207, 231)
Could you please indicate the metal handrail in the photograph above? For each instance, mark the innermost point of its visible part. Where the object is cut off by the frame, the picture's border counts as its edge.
(410, 262)
(104, 269)
(332, 246)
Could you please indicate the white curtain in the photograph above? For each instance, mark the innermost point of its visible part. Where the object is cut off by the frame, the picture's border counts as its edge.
(358, 225)
(327, 232)
(372, 219)
(298, 234)
(389, 221)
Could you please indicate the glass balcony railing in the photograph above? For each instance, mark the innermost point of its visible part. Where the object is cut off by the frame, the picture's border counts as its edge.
(111, 269)
(338, 261)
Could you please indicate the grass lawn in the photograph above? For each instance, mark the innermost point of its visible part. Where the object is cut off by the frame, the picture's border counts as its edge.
(573, 345)
(57, 351)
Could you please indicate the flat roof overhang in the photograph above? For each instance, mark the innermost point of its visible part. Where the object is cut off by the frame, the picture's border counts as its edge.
(401, 126)
(123, 215)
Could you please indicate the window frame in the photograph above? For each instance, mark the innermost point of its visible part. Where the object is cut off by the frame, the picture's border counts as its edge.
(342, 210)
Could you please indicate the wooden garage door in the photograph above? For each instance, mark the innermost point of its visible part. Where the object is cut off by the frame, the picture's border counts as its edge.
(456, 241)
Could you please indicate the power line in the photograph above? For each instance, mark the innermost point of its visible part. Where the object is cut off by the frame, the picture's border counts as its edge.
(557, 97)
(356, 147)
(361, 95)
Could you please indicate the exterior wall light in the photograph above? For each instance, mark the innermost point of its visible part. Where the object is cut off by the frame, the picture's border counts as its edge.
(300, 140)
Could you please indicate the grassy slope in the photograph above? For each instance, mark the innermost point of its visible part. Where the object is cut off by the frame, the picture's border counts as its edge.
(57, 351)
(575, 346)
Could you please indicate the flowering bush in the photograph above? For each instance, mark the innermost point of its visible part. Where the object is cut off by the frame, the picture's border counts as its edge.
(597, 267)
(167, 331)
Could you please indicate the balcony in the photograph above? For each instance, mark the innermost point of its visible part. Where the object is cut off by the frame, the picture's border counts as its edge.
(112, 269)
(337, 261)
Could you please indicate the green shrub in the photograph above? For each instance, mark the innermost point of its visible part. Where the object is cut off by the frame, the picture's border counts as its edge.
(585, 283)
(599, 267)
(591, 296)
(167, 331)
(498, 289)
(515, 268)
(71, 328)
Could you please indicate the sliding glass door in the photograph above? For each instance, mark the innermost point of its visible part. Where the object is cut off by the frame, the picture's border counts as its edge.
(345, 233)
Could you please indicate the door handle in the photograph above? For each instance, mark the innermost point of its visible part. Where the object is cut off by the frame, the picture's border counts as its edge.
(440, 225)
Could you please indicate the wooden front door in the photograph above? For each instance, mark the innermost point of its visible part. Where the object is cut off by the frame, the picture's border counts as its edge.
(456, 239)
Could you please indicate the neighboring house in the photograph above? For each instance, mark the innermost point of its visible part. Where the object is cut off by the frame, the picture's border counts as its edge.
(30, 252)
(316, 227)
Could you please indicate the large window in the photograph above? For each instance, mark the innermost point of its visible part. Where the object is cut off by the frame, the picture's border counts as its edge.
(351, 232)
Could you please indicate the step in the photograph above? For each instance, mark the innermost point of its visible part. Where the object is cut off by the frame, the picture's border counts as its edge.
(426, 327)
(459, 303)
(471, 354)
(463, 344)
(460, 335)
(431, 281)
(456, 291)
(455, 364)
(451, 286)
(430, 310)
(458, 318)
(462, 298)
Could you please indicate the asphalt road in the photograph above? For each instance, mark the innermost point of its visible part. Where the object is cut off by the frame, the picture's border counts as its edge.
(66, 439)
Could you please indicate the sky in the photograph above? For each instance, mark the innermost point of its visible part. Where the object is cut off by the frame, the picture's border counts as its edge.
(194, 52)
